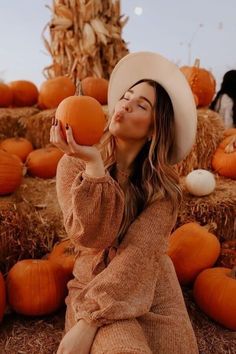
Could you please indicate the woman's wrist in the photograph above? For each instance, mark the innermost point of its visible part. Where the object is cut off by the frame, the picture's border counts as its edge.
(95, 168)
(91, 327)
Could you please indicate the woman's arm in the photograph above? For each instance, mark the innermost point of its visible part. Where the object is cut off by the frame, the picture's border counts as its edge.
(92, 206)
(125, 288)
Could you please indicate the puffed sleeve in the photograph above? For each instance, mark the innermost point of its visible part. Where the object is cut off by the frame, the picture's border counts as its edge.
(92, 207)
(125, 288)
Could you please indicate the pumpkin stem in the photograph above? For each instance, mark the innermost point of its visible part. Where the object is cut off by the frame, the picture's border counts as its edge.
(78, 91)
(232, 273)
(231, 146)
(197, 63)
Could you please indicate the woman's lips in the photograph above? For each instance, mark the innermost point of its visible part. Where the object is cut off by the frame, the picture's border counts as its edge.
(118, 116)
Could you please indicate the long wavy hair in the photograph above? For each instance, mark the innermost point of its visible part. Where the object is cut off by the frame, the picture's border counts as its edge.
(152, 176)
(228, 86)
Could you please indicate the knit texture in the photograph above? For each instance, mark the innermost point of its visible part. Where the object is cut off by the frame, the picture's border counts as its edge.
(130, 291)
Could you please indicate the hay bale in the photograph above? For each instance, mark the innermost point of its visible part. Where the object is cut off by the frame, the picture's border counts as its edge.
(37, 127)
(218, 209)
(210, 131)
(211, 336)
(21, 334)
(9, 120)
(31, 222)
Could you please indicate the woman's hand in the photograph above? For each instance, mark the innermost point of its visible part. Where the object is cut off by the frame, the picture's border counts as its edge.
(79, 339)
(69, 146)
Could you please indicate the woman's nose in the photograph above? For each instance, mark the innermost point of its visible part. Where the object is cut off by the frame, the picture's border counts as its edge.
(127, 107)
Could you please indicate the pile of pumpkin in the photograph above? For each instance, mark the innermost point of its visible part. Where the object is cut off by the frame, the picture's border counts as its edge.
(194, 251)
(44, 279)
(54, 93)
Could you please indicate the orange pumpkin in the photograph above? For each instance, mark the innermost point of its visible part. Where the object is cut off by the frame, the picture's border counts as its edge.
(215, 292)
(6, 95)
(17, 146)
(43, 162)
(85, 116)
(95, 87)
(35, 287)
(224, 158)
(53, 91)
(192, 249)
(11, 172)
(2, 297)
(25, 93)
(201, 81)
(227, 256)
(63, 254)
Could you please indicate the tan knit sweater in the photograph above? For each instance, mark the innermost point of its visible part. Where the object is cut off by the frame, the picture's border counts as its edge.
(129, 290)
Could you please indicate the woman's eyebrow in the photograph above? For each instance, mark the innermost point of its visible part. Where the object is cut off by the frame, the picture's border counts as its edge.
(142, 97)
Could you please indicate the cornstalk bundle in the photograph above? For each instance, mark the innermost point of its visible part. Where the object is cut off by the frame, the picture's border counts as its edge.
(210, 130)
(85, 38)
(217, 209)
(9, 120)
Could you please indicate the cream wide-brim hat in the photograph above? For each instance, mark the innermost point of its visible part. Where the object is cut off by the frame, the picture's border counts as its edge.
(148, 65)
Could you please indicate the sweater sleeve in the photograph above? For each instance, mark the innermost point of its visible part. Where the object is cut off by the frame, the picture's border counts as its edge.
(92, 207)
(125, 288)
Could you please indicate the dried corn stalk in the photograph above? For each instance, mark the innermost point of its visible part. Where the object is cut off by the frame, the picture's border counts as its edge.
(85, 38)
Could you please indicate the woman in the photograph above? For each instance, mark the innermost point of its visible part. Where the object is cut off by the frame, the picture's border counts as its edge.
(225, 100)
(119, 203)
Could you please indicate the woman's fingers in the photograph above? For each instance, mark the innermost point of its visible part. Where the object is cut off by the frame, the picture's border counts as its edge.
(57, 138)
(73, 146)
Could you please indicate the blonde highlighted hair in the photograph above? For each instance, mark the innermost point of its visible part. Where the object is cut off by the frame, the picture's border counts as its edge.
(152, 176)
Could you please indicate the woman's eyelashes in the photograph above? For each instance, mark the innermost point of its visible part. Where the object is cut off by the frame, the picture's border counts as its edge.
(138, 104)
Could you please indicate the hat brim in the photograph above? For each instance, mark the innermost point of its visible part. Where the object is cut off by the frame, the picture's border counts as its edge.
(148, 65)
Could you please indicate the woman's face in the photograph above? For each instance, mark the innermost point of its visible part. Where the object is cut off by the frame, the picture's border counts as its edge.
(132, 119)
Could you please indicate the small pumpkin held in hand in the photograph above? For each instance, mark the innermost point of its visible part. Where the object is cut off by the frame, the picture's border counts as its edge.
(192, 249)
(200, 182)
(85, 116)
(215, 292)
(43, 162)
(95, 87)
(17, 146)
(35, 287)
(11, 172)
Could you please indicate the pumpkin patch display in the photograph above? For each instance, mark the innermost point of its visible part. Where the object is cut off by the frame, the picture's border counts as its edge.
(25, 93)
(192, 249)
(63, 254)
(35, 287)
(84, 114)
(53, 91)
(17, 146)
(201, 81)
(200, 182)
(215, 292)
(224, 159)
(95, 87)
(11, 172)
(2, 297)
(43, 162)
(6, 95)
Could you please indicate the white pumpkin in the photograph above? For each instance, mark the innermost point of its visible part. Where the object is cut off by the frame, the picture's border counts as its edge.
(200, 182)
